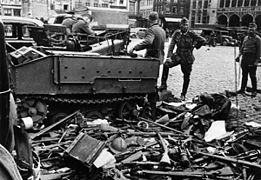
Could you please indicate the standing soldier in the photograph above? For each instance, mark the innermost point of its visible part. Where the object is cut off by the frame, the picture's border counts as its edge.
(154, 39)
(185, 40)
(250, 51)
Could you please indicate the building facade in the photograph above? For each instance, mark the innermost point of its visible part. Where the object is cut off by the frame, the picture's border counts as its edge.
(11, 7)
(238, 13)
(226, 13)
(203, 12)
(172, 8)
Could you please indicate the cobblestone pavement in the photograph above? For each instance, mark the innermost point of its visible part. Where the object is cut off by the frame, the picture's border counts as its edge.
(214, 71)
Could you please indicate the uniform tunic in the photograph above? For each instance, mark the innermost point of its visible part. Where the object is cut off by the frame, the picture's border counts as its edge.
(154, 42)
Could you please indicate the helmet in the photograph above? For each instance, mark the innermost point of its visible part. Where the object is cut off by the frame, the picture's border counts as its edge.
(118, 145)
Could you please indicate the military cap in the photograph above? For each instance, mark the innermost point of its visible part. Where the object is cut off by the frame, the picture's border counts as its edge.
(184, 20)
(153, 16)
(252, 25)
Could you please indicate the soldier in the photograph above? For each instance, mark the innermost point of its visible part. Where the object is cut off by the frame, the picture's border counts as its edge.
(83, 26)
(69, 22)
(185, 40)
(154, 39)
(250, 51)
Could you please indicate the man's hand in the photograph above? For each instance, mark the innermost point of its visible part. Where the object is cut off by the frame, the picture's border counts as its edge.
(237, 59)
(168, 59)
(131, 50)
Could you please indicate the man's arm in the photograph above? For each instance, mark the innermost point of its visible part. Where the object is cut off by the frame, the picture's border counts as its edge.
(86, 28)
(172, 44)
(258, 50)
(199, 40)
(148, 40)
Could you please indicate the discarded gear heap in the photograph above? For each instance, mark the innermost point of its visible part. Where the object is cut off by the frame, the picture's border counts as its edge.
(187, 140)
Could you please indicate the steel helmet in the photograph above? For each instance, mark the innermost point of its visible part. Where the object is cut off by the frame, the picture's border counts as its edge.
(118, 145)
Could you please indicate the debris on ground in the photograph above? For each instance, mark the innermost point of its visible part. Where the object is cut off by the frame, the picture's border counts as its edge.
(187, 140)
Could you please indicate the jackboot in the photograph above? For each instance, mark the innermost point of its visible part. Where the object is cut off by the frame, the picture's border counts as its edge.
(164, 78)
(185, 86)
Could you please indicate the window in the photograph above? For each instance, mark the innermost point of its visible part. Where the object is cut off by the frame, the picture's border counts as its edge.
(253, 3)
(7, 12)
(95, 4)
(222, 3)
(167, 9)
(205, 15)
(105, 5)
(234, 3)
(17, 12)
(227, 3)
(121, 1)
(8, 30)
(65, 7)
(25, 31)
(88, 4)
(174, 10)
(200, 4)
(246, 3)
(239, 3)
(205, 4)
(181, 10)
(194, 5)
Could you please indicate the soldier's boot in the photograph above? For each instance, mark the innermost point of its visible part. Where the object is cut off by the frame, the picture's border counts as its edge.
(254, 86)
(185, 88)
(164, 78)
(243, 85)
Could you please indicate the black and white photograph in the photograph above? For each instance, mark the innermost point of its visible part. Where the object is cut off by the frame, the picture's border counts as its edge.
(130, 89)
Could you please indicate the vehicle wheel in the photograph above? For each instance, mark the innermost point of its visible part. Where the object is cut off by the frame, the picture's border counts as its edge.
(133, 36)
(225, 43)
(128, 111)
(33, 108)
(56, 117)
(94, 115)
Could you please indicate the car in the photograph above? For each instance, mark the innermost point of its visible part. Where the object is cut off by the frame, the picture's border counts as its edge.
(138, 32)
(17, 31)
(58, 19)
(222, 37)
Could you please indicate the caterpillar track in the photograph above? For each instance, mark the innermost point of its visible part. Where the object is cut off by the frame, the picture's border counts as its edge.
(54, 86)
(41, 108)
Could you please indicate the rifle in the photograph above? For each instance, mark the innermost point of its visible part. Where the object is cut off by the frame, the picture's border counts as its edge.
(165, 157)
(136, 149)
(163, 126)
(232, 160)
(189, 174)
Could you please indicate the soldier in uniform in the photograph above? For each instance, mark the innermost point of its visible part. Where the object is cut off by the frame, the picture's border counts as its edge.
(83, 26)
(250, 51)
(185, 40)
(69, 22)
(154, 39)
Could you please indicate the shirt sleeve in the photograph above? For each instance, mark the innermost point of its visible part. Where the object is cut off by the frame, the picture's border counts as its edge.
(86, 28)
(148, 40)
(199, 40)
(258, 48)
